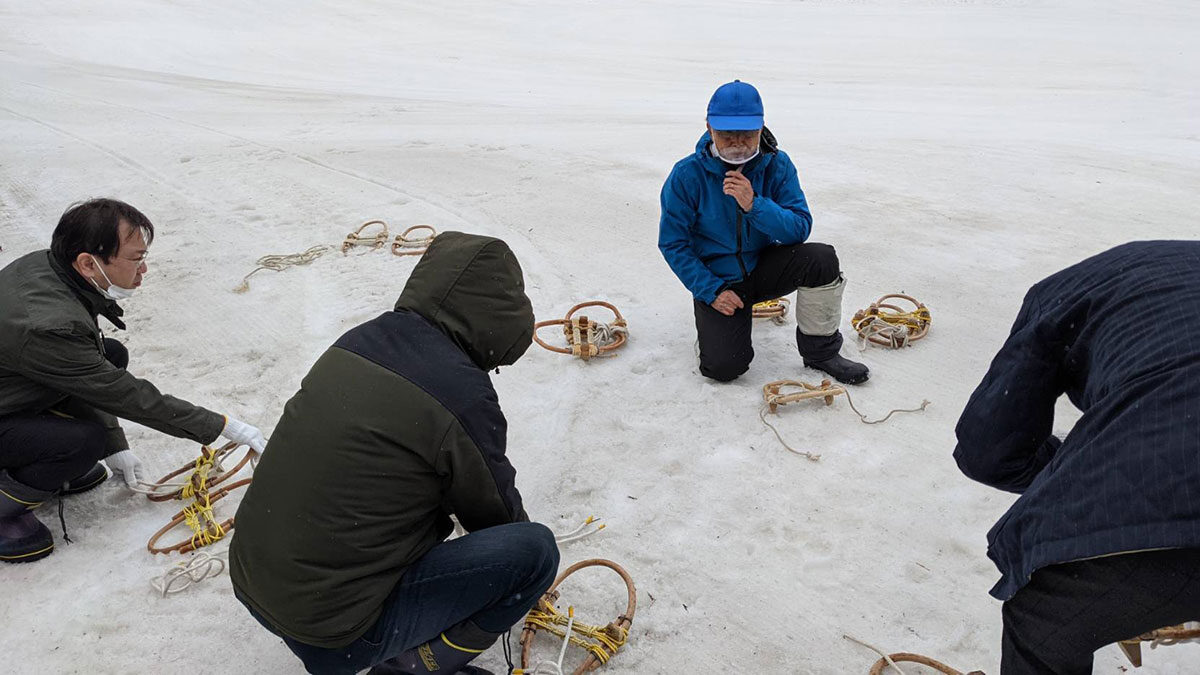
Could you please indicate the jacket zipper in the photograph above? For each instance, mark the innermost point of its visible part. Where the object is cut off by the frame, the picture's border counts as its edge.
(741, 264)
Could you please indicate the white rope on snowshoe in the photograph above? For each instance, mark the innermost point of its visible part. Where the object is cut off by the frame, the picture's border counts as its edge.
(182, 575)
(562, 652)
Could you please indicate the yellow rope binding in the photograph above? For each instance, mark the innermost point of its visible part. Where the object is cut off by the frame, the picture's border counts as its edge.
(200, 518)
(199, 515)
(607, 639)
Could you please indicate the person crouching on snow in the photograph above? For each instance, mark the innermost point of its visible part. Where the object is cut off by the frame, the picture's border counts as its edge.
(1104, 543)
(63, 384)
(733, 229)
(340, 547)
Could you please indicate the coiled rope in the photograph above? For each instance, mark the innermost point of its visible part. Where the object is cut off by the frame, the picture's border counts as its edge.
(183, 575)
(278, 263)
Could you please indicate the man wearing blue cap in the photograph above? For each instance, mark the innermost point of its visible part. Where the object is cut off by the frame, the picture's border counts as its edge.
(733, 229)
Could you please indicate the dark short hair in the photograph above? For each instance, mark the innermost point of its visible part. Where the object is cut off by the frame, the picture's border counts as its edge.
(94, 227)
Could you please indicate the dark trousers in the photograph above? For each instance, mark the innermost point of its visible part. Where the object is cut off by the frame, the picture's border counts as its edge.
(726, 348)
(43, 450)
(1068, 611)
(489, 577)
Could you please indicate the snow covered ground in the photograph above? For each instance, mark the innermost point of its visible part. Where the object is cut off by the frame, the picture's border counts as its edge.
(955, 150)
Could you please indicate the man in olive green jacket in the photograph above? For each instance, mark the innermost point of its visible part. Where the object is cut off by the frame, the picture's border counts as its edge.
(63, 384)
(340, 543)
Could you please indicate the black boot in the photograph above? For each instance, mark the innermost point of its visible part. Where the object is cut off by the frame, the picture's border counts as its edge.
(23, 538)
(94, 477)
(447, 654)
(821, 352)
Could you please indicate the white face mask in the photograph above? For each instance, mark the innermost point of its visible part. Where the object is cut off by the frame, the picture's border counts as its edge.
(113, 292)
(735, 159)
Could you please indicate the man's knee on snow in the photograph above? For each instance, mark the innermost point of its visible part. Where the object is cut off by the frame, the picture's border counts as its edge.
(725, 370)
(826, 267)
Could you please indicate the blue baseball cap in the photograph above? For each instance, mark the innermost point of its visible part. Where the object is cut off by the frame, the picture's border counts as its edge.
(735, 106)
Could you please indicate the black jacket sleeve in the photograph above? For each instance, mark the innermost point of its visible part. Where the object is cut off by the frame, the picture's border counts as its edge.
(70, 363)
(1004, 437)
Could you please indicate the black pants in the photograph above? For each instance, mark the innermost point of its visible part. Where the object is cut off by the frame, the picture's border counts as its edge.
(1068, 611)
(44, 450)
(726, 349)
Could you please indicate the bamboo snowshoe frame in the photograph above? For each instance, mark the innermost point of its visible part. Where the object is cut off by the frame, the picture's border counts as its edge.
(373, 241)
(608, 638)
(774, 396)
(412, 245)
(198, 515)
(586, 338)
(890, 325)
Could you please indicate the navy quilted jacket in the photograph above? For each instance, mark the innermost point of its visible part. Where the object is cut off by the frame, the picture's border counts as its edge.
(1118, 333)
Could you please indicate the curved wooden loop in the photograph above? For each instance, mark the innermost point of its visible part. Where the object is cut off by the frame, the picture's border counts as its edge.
(905, 657)
(774, 397)
(188, 545)
(206, 453)
(550, 322)
(883, 322)
(581, 332)
(406, 245)
(620, 320)
(618, 626)
(357, 238)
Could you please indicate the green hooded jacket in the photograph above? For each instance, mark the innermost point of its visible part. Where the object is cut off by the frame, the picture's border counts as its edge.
(395, 428)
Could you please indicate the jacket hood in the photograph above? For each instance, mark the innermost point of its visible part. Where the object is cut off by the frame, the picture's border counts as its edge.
(767, 146)
(471, 288)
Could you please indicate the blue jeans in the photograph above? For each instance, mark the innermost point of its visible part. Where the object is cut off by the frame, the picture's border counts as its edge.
(490, 577)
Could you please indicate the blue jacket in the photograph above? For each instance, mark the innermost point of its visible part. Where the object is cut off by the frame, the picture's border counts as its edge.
(705, 236)
(1117, 333)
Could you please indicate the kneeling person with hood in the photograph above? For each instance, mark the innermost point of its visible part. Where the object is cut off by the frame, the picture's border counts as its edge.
(340, 546)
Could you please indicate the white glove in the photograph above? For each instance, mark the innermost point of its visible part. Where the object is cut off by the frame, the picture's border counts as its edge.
(127, 465)
(240, 432)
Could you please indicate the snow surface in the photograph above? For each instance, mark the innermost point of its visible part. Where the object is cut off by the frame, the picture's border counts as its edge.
(955, 150)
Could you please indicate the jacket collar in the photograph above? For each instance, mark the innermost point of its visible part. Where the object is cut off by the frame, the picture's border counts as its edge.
(87, 294)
